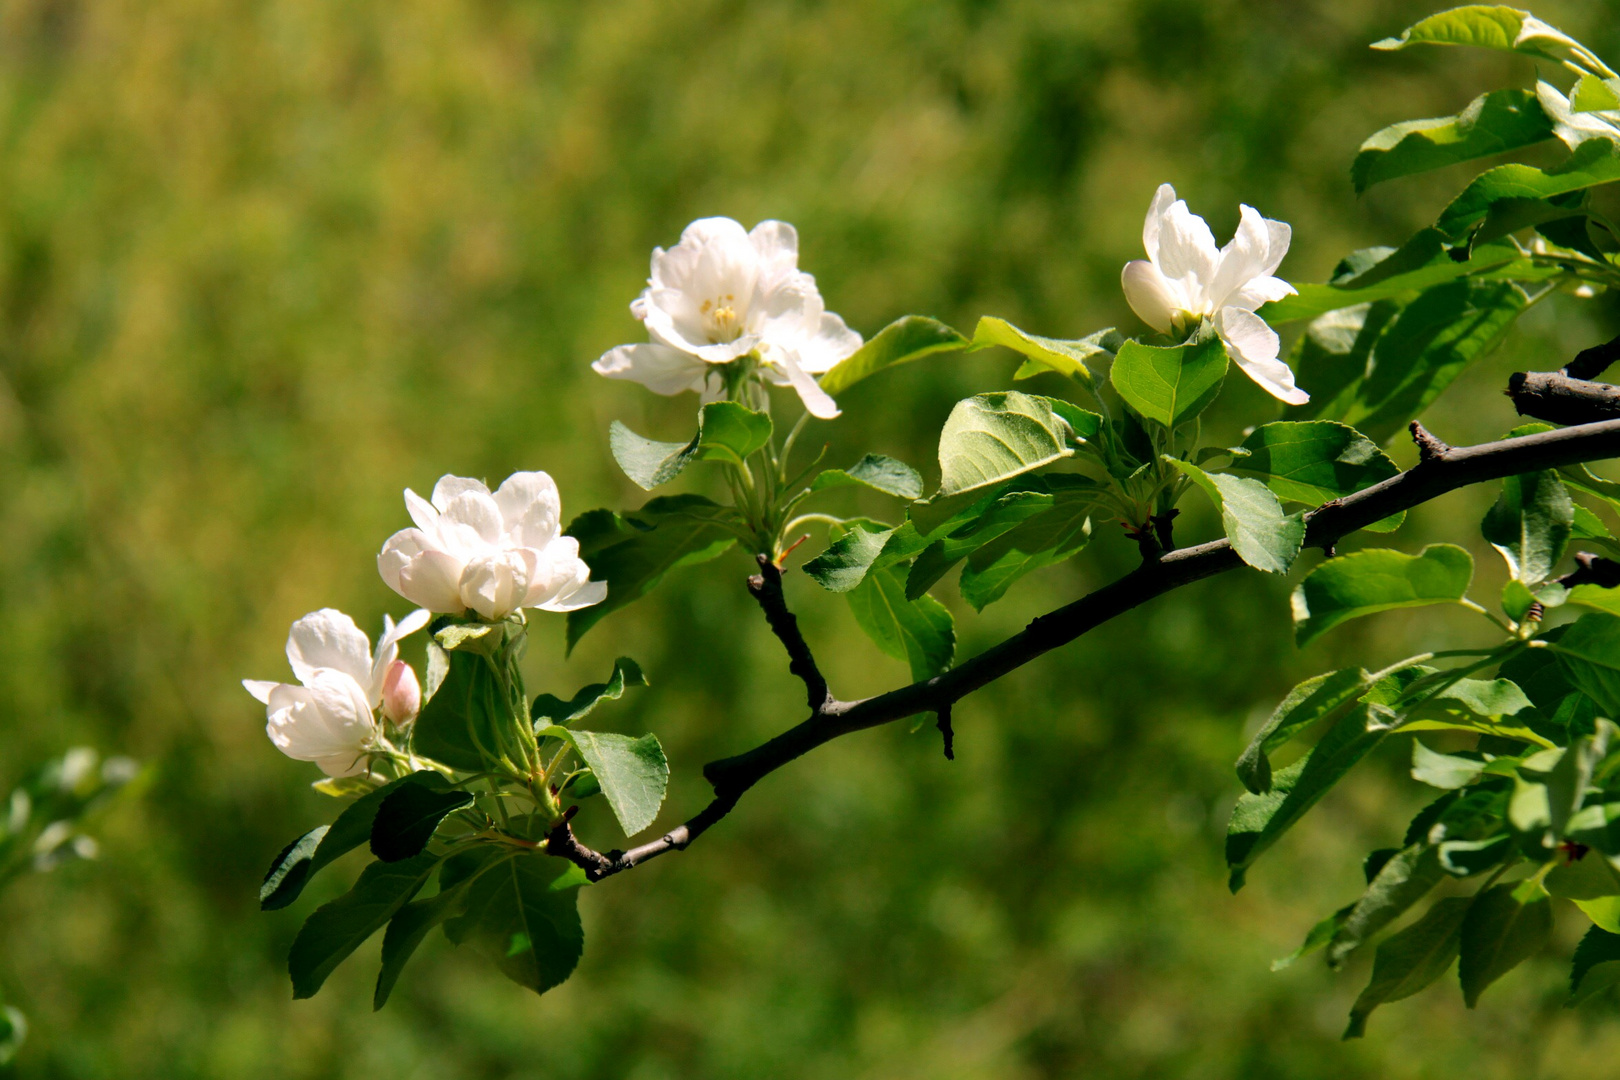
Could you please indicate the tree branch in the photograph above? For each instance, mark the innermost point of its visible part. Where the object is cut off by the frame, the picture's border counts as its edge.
(1442, 470)
(766, 587)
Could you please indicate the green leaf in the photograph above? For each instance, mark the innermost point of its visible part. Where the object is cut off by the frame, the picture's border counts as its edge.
(726, 431)
(461, 724)
(632, 773)
(1596, 965)
(407, 929)
(1402, 881)
(523, 913)
(1593, 94)
(1493, 123)
(1313, 461)
(1507, 29)
(1411, 960)
(1485, 706)
(1262, 535)
(919, 631)
(410, 815)
(1045, 539)
(336, 929)
(1379, 579)
(1505, 926)
(911, 337)
(1005, 513)
(1316, 940)
(1259, 820)
(13, 1033)
(1587, 878)
(553, 710)
(1309, 703)
(304, 857)
(1444, 771)
(632, 552)
(1170, 385)
(1048, 354)
(884, 474)
(995, 437)
(645, 461)
(1530, 525)
(864, 546)
(1589, 652)
(1594, 162)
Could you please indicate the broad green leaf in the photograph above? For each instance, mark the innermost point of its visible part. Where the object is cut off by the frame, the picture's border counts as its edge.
(1309, 703)
(1465, 858)
(1444, 771)
(1259, 820)
(1596, 965)
(863, 547)
(1589, 652)
(632, 773)
(1411, 960)
(884, 474)
(1316, 940)
(1505, 926)
(336, 929)
(407, 929)
(13, 1033)
(1048, 538)
(410, 815)
(553, 710)
(1485, 706)
(1048, 354)
(1380, 579)
(632, 552)
(1588, 878)
(726, 431)
(1494, 123)
(1491, 26)
(1594, 162)
(919, 631)
(1597, 826)
(1312, 461)
(1594, 94)
(461, 725)
(301, 859)
(995, 437)
(1174, 384)
(523, 913)
(911, 337)
(1262, 535)
(1084, 425)
(1530, 525)
(1006, 513)
(1401, 882)
(1596, 597)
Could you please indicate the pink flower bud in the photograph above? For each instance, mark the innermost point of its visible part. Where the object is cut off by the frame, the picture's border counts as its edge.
(402, 694)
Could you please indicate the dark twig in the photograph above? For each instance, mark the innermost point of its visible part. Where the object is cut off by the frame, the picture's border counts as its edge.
(1456, 468)
(1164, 528)
(1560, 399)
(1592, 570)
(943, 722)
(766, 587)
(1590, 363)
(1429, 447)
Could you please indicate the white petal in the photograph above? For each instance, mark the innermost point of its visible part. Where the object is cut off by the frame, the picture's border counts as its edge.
(388, 647)
(1243, 258)
(1254, 346)
(816, 400)
(777, 244)
(1187, 250)
(531, 509)
(1162, 200)
(659, 368)
(1280, 235)
(584, 595)
(422, 512)
(1261, 290)
(471, 516)
(329, 718)
(260, 689)
(1152, 297)
(833, 343)
(328, 639)
(494, 585)
(449, 487)
(422, 574)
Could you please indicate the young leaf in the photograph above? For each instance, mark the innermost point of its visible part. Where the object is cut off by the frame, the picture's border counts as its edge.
(1170, 385)
(410, 815)
(919, 631)
(632, 773)
(645, 461)
(1312, 461)
(1506, 29)
(290, 870)
(1047, 538)
(632, 552)
(726, 431)
(1593, 94)
(1006, 513)
(995, 437)
(1316, 940)
(1310, 702)
(1505, 926)
(1402, 881)
(863, 547)
(1596, 965)
(1492, 124)
(1375, 580)
(522, 912)
(1530, 525)
(1047, 354)
(1589, 652)
(336, 929)
(884, 474)
(1262, 535)
(1444, 771)
(1593, 162)
(1411, 960)
(911, 337)
(553, 710)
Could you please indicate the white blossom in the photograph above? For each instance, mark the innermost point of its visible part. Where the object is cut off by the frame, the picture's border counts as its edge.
(721, 295)
(491, 552)
(329, 716)
(1185, 279)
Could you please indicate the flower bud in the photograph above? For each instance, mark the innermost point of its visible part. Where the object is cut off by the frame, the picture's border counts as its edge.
(402, 694)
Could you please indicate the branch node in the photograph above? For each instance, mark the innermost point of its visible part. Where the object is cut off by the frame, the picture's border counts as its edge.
(943, 722)
(1164, 529)
(1429, 447)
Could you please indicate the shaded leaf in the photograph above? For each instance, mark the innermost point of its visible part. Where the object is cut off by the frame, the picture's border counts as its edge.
(522, 912)
(1593, 162)
(1312, 461)
(1505, 926)
(1312, 701)
(1005, 513)
(1530, 525)
(1404, 880)
(1596, 965)
(553, 710)
(1411, 960)
(1492, 124)
(726, 431)
(336, 929)
(407, 819)
(920, 631)
(1380, 579)
(885, 474)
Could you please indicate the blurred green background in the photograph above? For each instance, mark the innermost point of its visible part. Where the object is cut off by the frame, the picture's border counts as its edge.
(263, 265)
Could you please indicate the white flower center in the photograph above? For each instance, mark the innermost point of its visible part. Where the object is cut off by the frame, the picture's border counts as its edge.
(720, 321)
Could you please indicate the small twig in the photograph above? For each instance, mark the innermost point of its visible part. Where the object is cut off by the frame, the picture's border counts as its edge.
(943, 722)
(1164, 529)
(1429, 447)
(1592, 570)
(562, 842)
(766, 587)
(1590, 363)
(1561, 399)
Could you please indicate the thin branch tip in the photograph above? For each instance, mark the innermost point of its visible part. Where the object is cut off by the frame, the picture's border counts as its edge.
(766, 588)
(1429, 447)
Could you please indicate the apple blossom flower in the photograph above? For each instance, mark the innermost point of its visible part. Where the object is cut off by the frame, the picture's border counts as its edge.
(1185, 279)
(330, 718)
(722, 295)
(402, 694)
(491, 552)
